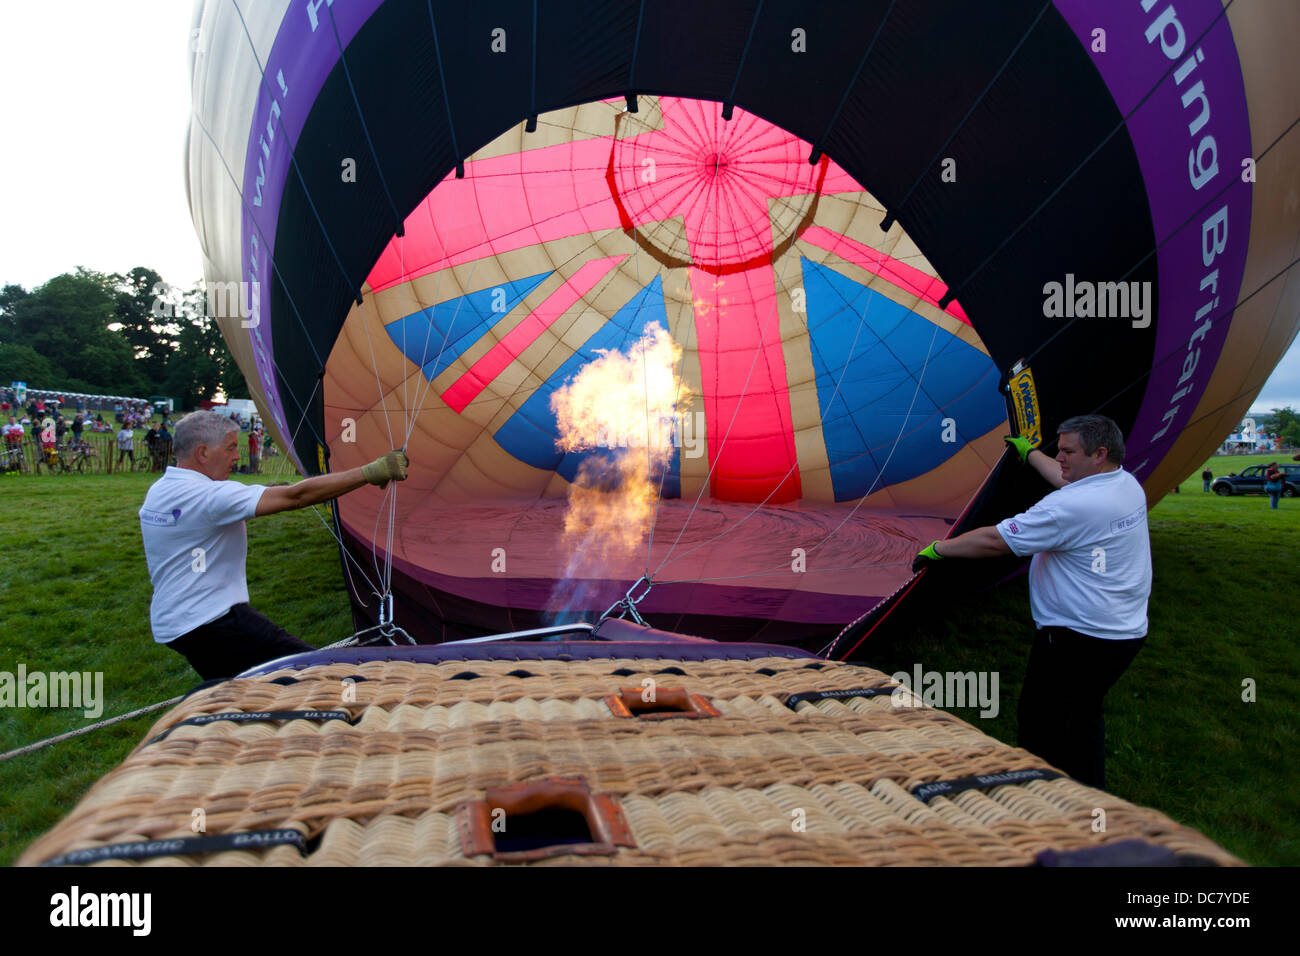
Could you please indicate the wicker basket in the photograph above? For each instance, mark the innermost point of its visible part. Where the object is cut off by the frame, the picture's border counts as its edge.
(610, 760)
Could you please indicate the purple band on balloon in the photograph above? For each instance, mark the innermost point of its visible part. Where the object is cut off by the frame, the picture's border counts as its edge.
(1191, 135)
(303, 55)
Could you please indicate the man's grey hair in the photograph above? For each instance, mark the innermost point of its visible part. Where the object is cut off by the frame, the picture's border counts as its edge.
(1096, 431)
(200, 428)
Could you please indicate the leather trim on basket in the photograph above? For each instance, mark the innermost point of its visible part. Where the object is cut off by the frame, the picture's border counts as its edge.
(602, 812)
(628, 702)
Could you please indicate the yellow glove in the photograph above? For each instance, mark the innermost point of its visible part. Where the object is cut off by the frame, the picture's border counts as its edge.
(391, 467)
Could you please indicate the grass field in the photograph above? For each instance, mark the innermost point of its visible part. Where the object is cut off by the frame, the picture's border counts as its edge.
(76, 596)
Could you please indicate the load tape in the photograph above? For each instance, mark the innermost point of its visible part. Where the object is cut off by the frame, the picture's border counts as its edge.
(182, 846)
(257, 715)
(984, 781)
(794, 700)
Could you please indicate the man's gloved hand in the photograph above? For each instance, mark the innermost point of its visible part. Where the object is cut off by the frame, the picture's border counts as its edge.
(926, 558)
(1021, 445)
(391, 467)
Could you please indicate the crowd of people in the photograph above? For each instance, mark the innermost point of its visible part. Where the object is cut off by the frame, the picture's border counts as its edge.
(53, 432)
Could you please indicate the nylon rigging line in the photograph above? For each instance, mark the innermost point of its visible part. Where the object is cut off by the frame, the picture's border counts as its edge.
(735, 412)
(955, 289)
(1232, 182)
(303, 416)
(365, 129)
(871, 489)
(829, 404)
(1214, 411)
(902, 203)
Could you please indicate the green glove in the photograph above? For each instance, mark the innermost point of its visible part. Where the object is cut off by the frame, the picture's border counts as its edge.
(927, 556)
(1021, 445)
(391, 467)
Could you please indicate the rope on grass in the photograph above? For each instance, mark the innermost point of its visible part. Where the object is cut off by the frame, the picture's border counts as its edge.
(85, 730)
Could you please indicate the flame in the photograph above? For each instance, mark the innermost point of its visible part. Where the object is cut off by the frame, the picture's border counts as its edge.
(622, 406)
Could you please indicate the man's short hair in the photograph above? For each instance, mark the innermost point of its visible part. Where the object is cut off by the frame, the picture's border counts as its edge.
(1096, 431)
(200, 428)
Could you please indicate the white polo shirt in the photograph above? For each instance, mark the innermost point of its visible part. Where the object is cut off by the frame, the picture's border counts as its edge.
(1091, 570)
(196, 546)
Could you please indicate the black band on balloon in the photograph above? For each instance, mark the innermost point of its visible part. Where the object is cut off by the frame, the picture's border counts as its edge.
(983, 781)
(182, 846)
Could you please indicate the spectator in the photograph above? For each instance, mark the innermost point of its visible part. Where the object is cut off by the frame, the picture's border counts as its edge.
(151, 441)
(60, 429)
(77, 426)
(126, 445)
(1273, 483)
(13, 434)
(1207, 476)
(254, 450)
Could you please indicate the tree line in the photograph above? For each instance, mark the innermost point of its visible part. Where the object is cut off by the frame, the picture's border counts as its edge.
(113, 334)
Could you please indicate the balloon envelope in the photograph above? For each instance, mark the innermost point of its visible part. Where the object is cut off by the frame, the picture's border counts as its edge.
(826, 243)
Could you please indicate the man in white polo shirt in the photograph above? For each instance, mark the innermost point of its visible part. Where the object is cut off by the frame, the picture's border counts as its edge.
(1089, 583)
(196, 546)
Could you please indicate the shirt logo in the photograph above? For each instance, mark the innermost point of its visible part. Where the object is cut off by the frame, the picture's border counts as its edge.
(1012, 526)
(1128, 521)
(160, 518)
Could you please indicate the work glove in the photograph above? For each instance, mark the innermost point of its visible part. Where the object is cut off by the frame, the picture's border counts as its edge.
(1021, 445)
(926, 557)
(391, 467)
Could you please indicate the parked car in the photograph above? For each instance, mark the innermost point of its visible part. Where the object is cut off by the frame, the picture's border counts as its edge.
(1251, 482)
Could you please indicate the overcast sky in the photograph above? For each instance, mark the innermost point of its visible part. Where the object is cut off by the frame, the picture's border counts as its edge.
(92, 128)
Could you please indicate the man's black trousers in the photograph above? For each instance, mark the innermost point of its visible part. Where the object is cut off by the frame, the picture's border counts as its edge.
(239, 639)
(1061, 704)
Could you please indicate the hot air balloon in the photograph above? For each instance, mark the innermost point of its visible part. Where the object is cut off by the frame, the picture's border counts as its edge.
(714, 313)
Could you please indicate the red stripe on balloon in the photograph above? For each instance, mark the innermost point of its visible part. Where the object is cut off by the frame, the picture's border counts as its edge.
(746, 392)
(908, 278)
(467, 388)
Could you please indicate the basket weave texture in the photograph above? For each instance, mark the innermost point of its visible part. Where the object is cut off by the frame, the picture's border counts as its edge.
(828, 782)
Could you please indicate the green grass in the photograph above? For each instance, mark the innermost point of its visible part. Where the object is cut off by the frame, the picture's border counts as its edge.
(76, 596)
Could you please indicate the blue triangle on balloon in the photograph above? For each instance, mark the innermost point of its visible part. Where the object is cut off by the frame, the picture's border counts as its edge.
(530, 434)
(888, 382)
(435, 337)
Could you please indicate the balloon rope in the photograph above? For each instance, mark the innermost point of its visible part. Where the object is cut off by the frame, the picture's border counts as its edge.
(422, 390)
(879, 472)
(442, 79)
(365, 129)
(844, 371)
(844, 98)
(303, 409)
(898, 207)
(1127, 453)
(744, 55)
(399, 231)
(1181, 351)
(1122, 124)
(274, 266)
(374, 366)
(717, 457)
(284, 459)
(1232, 181)
(302, 180)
